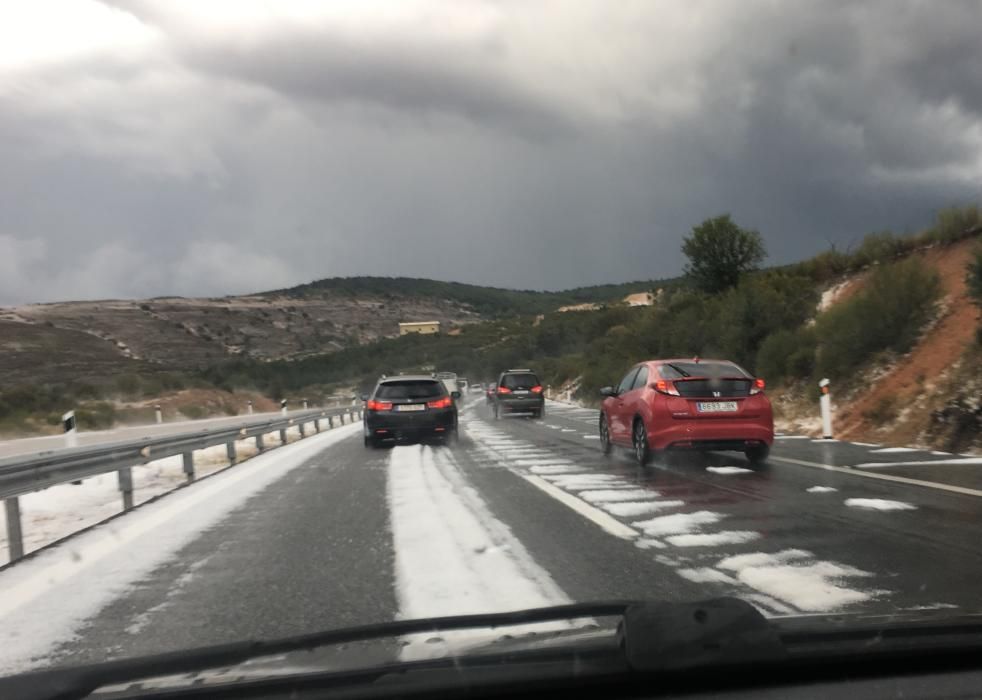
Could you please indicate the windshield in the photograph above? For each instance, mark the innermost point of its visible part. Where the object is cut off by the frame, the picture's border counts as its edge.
(410, 390)
(519, 381)
(326, 314)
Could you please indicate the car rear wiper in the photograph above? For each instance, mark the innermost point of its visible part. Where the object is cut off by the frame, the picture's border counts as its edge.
(652, 636)
(678, 369)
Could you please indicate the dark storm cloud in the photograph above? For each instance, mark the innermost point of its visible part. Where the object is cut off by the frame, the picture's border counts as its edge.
(227, 148)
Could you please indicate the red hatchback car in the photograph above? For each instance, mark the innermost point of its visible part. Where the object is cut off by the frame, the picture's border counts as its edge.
(689, 404)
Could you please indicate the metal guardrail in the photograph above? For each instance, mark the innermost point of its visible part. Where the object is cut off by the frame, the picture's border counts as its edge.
(22, 474)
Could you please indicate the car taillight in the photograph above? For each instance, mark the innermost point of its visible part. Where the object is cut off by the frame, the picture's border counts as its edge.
(537, 390)
(663, 386)
(445, 402)
(757, 387)
(374, 405)
(504, 390)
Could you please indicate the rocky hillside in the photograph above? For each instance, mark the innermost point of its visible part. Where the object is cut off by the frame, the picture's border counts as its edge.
(95, 340)
(931, 394)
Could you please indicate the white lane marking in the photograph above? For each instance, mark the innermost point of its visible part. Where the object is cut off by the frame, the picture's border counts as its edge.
(713, 539)
(594, 515)
(821, 489)
(878, 504)
(793, 437)
(883, 477)
(894, 449)
(633, 509)
(921, 463)
(591, 437)
(867, 444)
(728, 470)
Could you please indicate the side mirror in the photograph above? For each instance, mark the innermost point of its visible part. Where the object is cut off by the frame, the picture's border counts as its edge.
(455, 394)
(364, 397)
(608, 391)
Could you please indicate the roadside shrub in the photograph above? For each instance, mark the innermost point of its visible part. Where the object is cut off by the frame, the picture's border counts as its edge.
(954, 223)
(193, 412)
(98, 415)
(973, 276)
(886, 315)
(128, 385)
(880, 247)
(787, 355)
(883, 411)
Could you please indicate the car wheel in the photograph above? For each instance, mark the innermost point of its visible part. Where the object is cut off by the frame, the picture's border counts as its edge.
(642, 453)
(757, 456)
(370, 442)
(605, 445)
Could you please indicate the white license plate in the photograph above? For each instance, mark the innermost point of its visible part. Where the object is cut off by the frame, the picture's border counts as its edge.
(520, 392)
(411, 407)
(716, 406)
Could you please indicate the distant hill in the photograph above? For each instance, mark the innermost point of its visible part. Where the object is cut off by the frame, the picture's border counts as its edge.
(94, 341)
(486, 301)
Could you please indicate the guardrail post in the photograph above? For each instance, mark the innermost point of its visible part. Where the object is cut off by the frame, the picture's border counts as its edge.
(126, 487)
(303, 433)
(341, 418)
(188, 459)
(330, 421)
(230, 451)
(282, 436)
(15, 536)
(260, 445)
(317, 425)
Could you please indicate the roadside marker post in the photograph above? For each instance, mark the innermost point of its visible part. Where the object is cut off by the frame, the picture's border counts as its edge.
(825, 404)
(249, 407)
(71, 429)
(305, 404)
(283, 406)
(160, 415)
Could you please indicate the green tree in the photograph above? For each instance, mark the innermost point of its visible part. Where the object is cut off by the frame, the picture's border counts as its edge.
(719, 252)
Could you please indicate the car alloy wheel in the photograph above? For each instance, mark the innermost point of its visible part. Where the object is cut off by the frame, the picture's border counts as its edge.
(604, 435)
(641, 450)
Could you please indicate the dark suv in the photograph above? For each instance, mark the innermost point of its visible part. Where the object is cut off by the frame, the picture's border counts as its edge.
(518, 391)
(409, 408)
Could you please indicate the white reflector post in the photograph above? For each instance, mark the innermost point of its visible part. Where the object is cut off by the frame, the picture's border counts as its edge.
(159, 413)
(283, 406)
(825, 404)
(71, 434)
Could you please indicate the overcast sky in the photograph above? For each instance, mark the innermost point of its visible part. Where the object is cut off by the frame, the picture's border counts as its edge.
(206, 147)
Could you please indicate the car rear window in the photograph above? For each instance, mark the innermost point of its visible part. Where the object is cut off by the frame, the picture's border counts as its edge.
(684, 370)
(411, 389)
(519, 381)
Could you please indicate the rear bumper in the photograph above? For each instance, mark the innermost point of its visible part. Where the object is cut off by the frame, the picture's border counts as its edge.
(711, 434)
(517, 405)
(392, 425)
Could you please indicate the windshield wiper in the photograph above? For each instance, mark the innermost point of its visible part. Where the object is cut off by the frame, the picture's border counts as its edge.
(652, 636)
(678, 369)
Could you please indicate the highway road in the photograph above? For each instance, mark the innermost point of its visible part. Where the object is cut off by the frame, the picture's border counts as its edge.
(325, 533)
(43, 443)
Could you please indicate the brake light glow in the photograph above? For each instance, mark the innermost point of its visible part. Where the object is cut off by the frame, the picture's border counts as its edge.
(757, 387)
(663, 386)
(374, 405)
(504, 390)
(445, 402)
(537, 390)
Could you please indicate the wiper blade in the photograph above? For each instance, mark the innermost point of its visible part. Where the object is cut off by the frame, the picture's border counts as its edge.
(678, 369)
(78, 682)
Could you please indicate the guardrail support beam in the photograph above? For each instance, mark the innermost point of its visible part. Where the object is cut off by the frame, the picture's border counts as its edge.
(230, 452)
(260, 445)
(282, 436)
(188, 459)
(317, 426)
(330, 421)
(303, 431)
(15, 536)
(125, 476)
